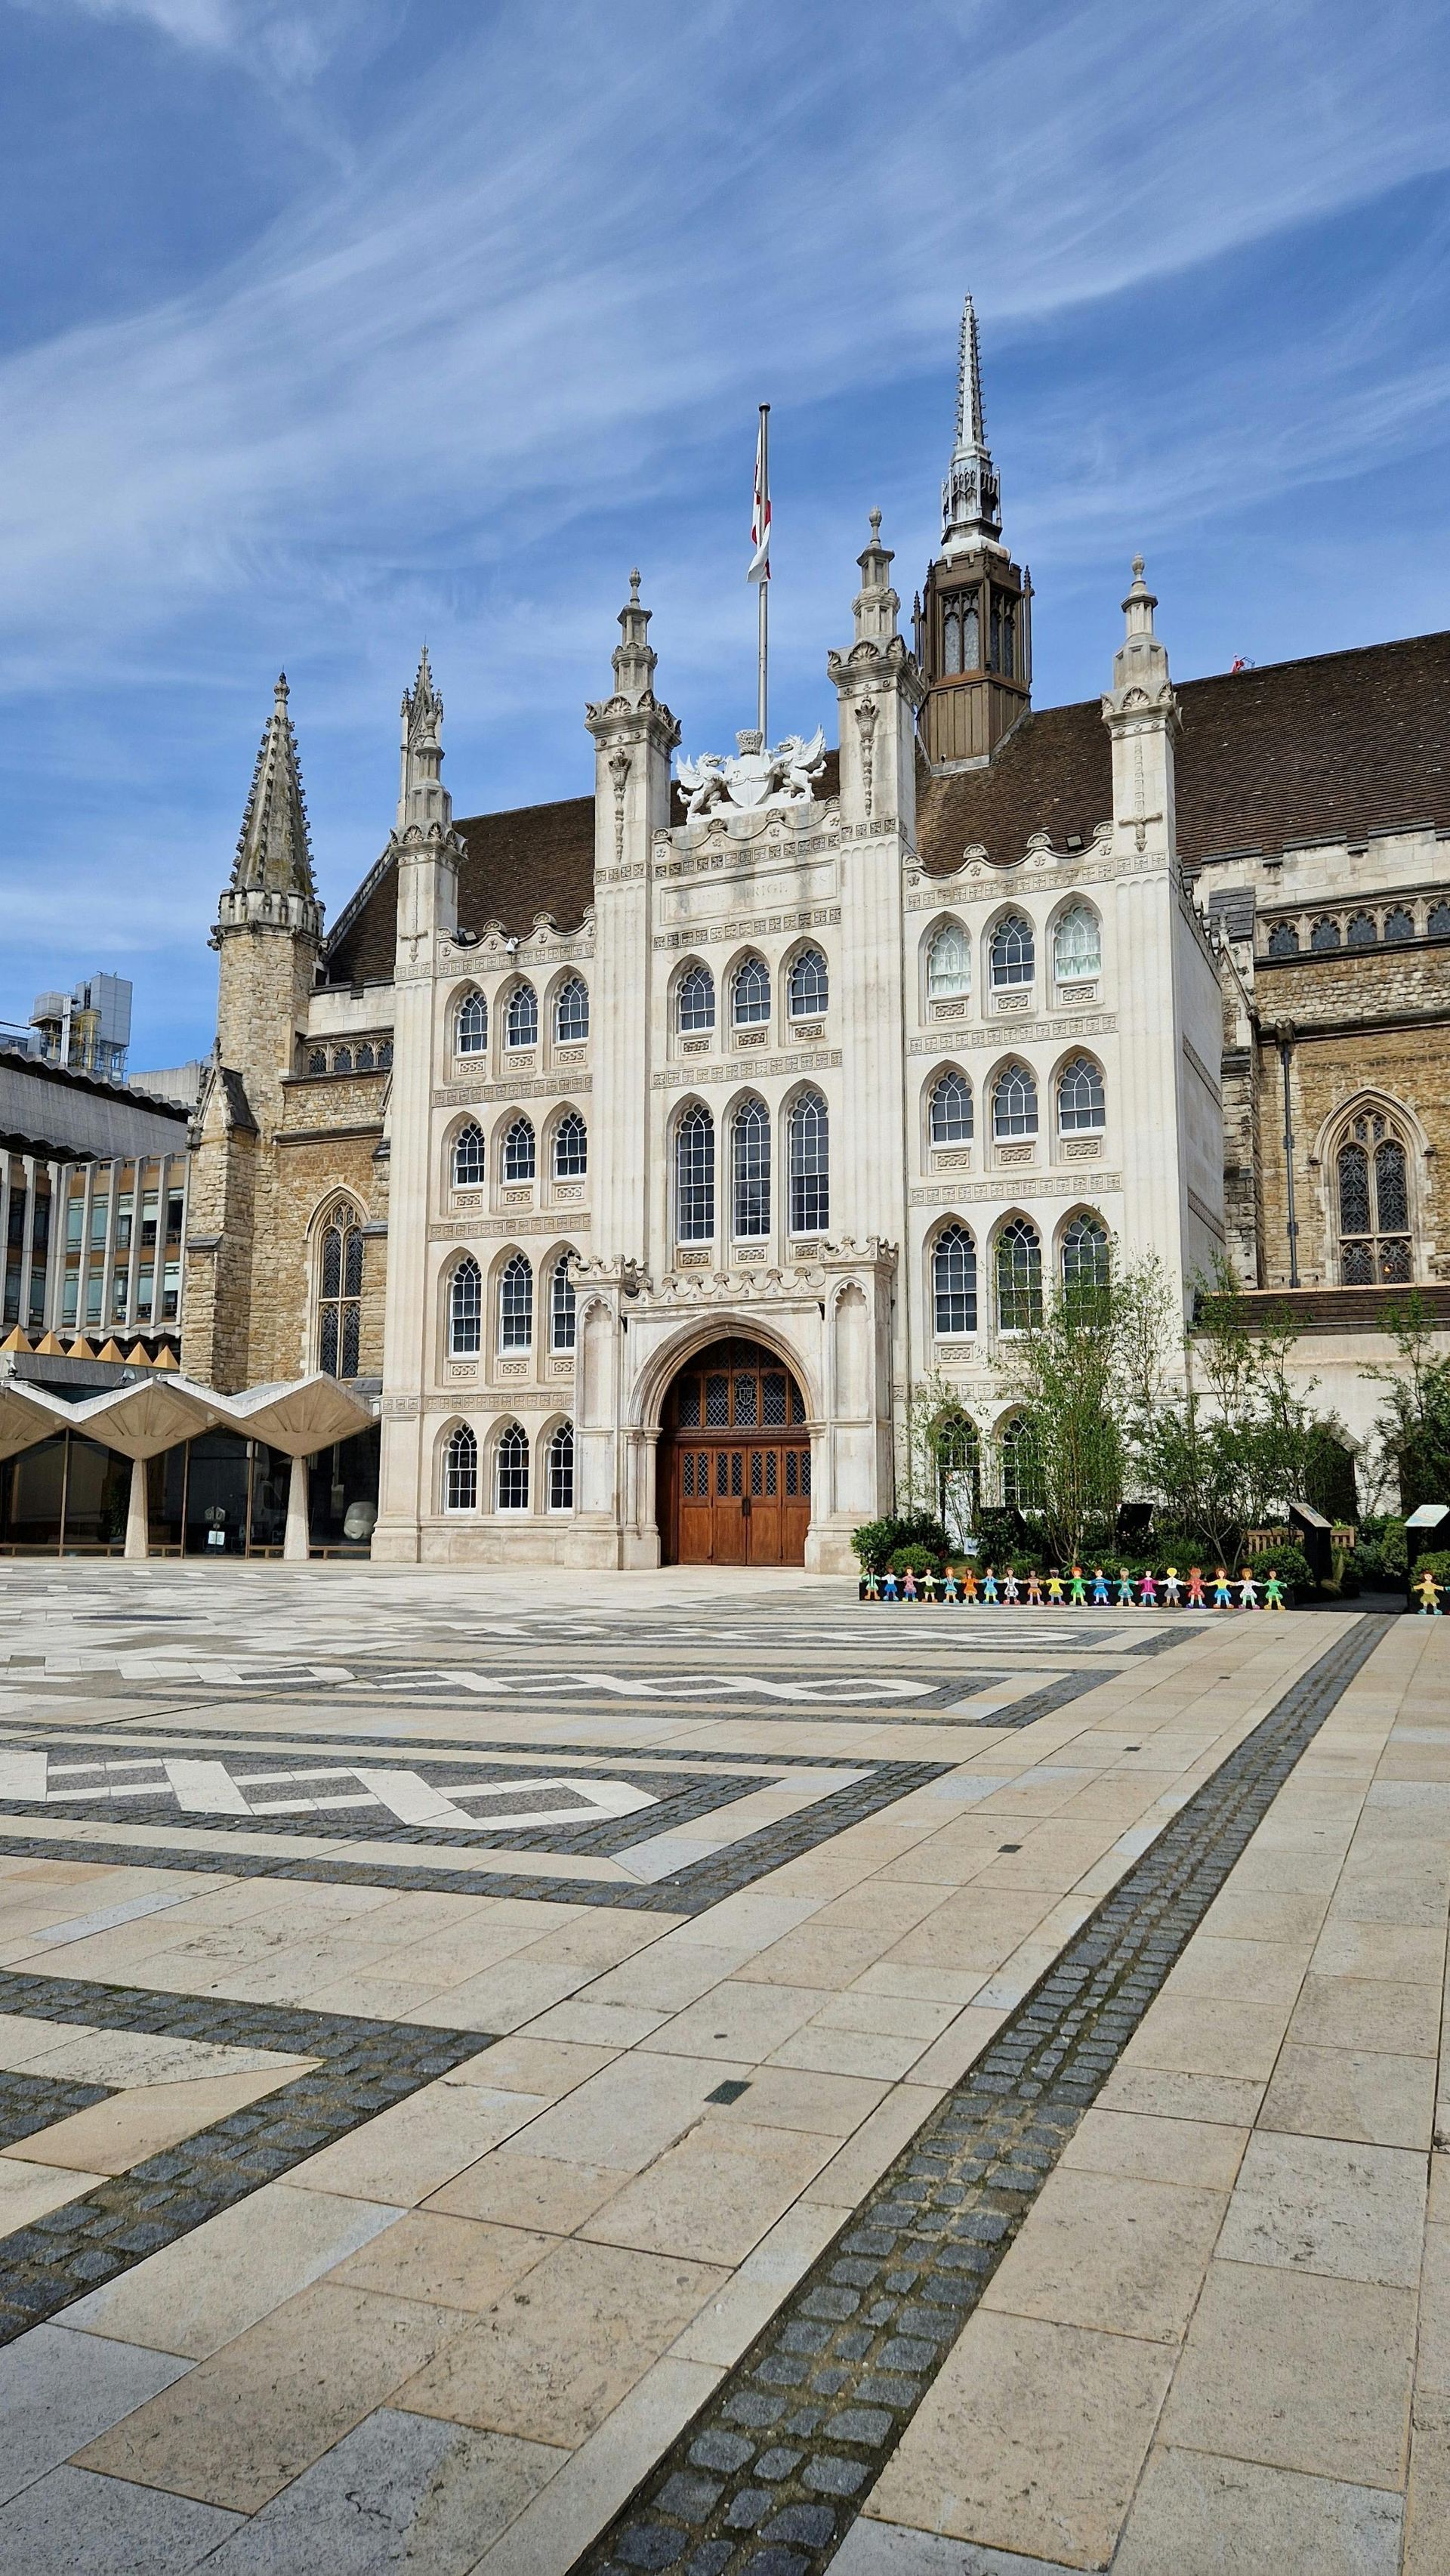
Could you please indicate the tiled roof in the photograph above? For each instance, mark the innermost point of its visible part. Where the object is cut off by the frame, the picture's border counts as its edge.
(1334, 746)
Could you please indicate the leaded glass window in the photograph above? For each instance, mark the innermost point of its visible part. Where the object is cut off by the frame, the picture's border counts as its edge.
(1019, 1277)
(520, 1154)
(339, 1305)
(1437, 922)
(1399, 924)
(695, 1176)
(471, 1028)
(1362, 932)
(571, 1147)
(750, 1158)
(1283, 940)
(571, 1012)
(1014, 954)
(1081, 1108)
(511, 1470)
(1014, 1103)
(954, 1281)
(460, 1471)
(1325, 933)
(750, 994)
(562, 1319)
(1077, 947)
(949, 964)
(810, 1165)
(561, 1469)
(521, 1019)
(1373, 1183)
(465, 1309)
(951, 1109)
(516, 1303)
(810, 985)
(468, 1157)
(695, 1004)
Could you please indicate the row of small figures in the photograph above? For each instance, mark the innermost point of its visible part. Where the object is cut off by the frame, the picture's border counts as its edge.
(1077, 1590)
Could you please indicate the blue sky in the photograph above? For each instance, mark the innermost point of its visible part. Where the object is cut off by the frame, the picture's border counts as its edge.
(329, 324)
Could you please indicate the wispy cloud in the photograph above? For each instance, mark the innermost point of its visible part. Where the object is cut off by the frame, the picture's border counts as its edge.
(292, 38)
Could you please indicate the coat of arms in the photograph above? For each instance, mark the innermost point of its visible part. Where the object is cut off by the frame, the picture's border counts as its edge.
(757, 778)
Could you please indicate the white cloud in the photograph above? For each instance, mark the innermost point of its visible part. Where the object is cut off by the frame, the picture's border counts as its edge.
(289, 37)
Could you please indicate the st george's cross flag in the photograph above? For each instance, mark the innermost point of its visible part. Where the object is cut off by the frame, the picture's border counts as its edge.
(760, 515)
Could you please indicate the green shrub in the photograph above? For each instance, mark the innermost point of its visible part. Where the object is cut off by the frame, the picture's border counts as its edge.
(1289, 1563)
(1436, 1562)
(921, 1560)
(1348, 1575)
(876, 1541)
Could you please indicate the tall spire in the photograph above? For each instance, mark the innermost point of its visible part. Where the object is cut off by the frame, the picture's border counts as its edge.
(970, 501)
(274, 852)
(422, 798)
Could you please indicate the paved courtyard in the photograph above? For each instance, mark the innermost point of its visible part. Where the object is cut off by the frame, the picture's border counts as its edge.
(688, 2071)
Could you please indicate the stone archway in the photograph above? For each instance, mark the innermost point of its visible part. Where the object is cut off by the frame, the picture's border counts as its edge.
(734, 1461)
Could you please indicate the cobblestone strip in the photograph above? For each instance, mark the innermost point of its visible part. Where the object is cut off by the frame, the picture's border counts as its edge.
(366, 2066)
(31, 2102)
(771, 2473)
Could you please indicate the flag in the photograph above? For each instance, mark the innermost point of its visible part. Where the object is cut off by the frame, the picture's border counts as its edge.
(760, 515)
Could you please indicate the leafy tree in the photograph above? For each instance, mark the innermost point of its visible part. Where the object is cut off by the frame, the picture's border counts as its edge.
(1082, 1384)
(1413, 1423)
(1237, 1442)
(941, 1468)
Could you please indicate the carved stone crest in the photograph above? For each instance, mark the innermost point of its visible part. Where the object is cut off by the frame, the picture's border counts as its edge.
(757, 778)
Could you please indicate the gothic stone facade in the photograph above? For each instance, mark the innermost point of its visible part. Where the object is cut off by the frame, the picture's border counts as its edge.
(571, 1094)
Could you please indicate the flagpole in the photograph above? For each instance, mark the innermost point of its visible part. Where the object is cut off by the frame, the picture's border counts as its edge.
(763, 586)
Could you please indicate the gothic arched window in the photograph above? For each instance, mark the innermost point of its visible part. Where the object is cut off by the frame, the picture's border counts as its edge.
(571, 1147)
(695, 1002)
(460, 1471)
(810, 1165)
(1081, 1107)
(958, 1469)
(750, 994)
(1077, 946)
(465, 1309)
(562, 1319)
(1362, 931)
(1399, 924)
(571, 1012)
(1014, 1103)
(521, 1019)
(342, 1059)
(468, 1157)
(750, 1171)
(951, 1109)
(511, 1470)
(695, 1175)
(1014, 954)
(1373, 1185)
(949, 964)
(516, 1303)
(1019, 1277)
(1086, 1255)
(339, 1300)
(561, 1469)
(1324, 933)
(1021, 1480)
(520, 1159)
(1283, 940)
(954, 1281)
(470, 1031)
(809, 986)
(1437, 922)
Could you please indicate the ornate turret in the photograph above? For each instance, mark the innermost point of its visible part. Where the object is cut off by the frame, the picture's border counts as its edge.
(974, 629)
(423, 800)
(271, 884)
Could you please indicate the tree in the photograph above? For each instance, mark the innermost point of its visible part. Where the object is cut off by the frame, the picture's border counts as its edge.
(1081, 1384)
(942, 1461)
(1413, 1422)
(1236, 1443)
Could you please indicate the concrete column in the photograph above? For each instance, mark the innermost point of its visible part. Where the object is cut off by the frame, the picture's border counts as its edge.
(294, 1546)
(138, 1517)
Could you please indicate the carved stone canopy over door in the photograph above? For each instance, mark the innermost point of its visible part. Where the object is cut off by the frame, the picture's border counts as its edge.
(735, 1461)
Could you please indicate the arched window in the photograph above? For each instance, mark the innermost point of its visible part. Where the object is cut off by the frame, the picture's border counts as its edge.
(695, 1175)
(1077, 947)
(1373, 1184)
(695, 1003)
(365, 1057)
(750, 993)
(1081, 1108)
(520, 1157)
(516, 1304)
(958, 1453)
(1086, 1255)
(470, 1034)
(468, 1157)
(571, 1012)
(511, 1470)
(1019, 1277)
(460, 1471)
(385, 1054)
(951, 1109)
(949, 964)
(465, 1309)
(339, 1303)
(1014, 1103)
(809, 985)
(954, 1281)
(521, 1019)
(1362, 932)
(951, 637)
(1325, 932)
(571, 1147)
(1399, 924)
(317, 1060)
(561, 1469)
(810, 1165)
(750, 1171)
(562, 1320)
(1013, 952)
(1283, 940)
(342, 1059)
(1437, 922)
(1021, 1480)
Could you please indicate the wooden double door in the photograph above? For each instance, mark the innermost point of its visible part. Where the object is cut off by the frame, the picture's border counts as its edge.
(735, 1461)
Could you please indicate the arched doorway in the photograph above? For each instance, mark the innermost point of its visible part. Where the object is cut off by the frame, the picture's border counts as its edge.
(734, 1461)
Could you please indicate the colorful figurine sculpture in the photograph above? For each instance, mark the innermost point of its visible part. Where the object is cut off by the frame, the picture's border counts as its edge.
(1102, 1589)
(1125, 1589)
(949, 1585)
(1429, 1592)
(888, 1586)
(1148, 1590)
(1077, 1592)
(928, 1584)
(873, 1585)
(1195, 1588)
(1248, 1590)
(969, 1588)
(1172, 1588)
(1011, 1589)
(989, 1587)
(1054, 1589)
(908, 1584)
(1034, 1590)
(1273, 1591)
(1223, 1598)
